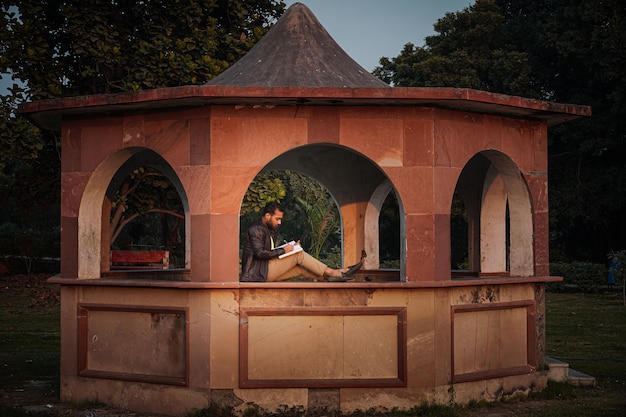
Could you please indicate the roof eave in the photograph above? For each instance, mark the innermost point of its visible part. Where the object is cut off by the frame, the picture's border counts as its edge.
(49, 113)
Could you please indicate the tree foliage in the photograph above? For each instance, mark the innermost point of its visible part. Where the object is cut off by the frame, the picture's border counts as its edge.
(323, 221)
(311, 215)
(29, 186)
(266, 187)
(559, 50)
(24, 164)
(318, 221)
(470, 51)
(75, 47)
(59, 49)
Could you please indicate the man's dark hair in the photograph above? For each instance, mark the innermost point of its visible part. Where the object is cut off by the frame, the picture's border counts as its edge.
(271, 208)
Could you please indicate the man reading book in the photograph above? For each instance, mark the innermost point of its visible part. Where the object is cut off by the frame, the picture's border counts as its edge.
(261, 260)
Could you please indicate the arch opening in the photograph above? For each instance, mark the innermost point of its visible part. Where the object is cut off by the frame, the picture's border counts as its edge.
(358, 188)
(312, 215)
(491, 219)
(118, 185)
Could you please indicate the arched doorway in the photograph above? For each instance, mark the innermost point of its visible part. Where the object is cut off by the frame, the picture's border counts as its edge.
(94, 238)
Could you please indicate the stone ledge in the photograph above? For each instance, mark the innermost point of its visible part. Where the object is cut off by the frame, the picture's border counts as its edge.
(469, 282)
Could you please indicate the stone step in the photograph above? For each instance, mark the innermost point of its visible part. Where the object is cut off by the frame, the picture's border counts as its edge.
(575, 377)
(557, 370)
(560, 371)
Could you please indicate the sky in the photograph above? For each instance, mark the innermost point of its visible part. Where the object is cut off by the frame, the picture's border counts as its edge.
(370, 29)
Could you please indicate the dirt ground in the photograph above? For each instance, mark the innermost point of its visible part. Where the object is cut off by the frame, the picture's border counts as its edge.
(50, 404)
(41, 397)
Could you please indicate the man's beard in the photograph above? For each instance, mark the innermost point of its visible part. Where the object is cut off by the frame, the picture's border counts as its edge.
(271, 226)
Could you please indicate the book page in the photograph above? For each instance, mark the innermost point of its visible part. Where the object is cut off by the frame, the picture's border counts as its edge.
(296, 248)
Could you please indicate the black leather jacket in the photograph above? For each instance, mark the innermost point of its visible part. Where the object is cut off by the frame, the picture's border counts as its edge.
(257, 253)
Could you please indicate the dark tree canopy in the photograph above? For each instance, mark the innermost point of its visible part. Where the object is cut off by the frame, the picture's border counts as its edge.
(469, 51)
(55, 49)
(569, 51)
(104, 46)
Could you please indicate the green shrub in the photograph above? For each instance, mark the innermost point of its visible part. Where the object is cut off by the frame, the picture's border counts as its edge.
(578, 276)
(390, 264)
(332, 258)
(29, 250)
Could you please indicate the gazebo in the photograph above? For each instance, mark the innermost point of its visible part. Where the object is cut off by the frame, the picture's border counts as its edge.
(176, 339)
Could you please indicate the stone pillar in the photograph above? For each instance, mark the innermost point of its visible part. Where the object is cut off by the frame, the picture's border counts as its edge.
(493, 224)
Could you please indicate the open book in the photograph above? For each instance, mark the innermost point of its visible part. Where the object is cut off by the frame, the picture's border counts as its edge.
(296, 248)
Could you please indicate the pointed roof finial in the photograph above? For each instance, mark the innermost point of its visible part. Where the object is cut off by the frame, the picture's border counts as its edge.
(297, 52)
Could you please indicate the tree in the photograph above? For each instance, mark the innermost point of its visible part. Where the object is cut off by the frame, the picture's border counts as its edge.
(579, 57)
(58, 49)
(266, 187)
(470, 51)
(559, 50)
(105, 46)
(29, 187)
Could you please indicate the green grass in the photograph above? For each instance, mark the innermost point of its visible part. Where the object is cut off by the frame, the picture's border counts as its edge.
(586, 331)
(29, 332)
(589, 333)
(6, 411)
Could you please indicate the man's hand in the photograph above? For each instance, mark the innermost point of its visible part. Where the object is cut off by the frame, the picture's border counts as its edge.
(288, 248)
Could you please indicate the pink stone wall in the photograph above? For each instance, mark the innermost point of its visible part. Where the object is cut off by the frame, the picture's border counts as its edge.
(216, 152)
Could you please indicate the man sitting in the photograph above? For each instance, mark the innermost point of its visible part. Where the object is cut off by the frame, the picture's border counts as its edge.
(261, 262)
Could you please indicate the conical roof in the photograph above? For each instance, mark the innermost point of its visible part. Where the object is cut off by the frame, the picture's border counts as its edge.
(297, 52)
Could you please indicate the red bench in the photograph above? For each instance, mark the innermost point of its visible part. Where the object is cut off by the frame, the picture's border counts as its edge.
(140, 259)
